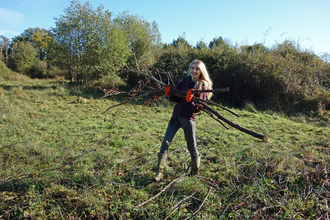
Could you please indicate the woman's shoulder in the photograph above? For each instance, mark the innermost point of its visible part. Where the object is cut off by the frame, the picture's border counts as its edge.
(185, 84)
(184, 80)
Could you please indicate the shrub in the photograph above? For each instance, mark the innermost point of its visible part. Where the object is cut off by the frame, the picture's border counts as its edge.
(56, 72)
(40, 70)
(24, 58)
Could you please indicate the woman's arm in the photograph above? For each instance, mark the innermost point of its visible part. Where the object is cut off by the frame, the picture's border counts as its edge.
(178, 87)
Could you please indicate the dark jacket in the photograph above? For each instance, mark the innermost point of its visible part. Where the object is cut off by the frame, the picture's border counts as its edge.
(183, 108)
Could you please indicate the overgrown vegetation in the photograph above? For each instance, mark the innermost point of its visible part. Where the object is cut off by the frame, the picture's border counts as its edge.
(283, 78)
(62, 156)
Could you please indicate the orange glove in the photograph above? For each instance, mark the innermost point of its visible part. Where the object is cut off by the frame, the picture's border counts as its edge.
(168, 90)
(189, 95)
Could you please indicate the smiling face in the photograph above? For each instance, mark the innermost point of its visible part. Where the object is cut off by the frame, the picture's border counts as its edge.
(195, 72)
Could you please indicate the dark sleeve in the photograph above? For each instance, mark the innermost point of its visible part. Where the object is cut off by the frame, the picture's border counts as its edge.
(174, 98)
(178, 87)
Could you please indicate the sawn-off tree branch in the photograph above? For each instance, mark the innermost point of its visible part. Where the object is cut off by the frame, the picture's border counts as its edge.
(157, 88)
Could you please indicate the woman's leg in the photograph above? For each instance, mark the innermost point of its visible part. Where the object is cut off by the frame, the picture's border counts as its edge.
(189, 128)
(172, 128)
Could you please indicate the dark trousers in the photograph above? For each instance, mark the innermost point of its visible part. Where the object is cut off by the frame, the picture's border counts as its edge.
(189, 128)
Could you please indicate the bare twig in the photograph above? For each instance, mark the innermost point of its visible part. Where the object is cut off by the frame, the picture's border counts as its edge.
(158, 194)
(199, 208)
(169, 75)
(179, 204)
(195, 213)
(224, 211)
(212, 116)
(115, 93)
(135, 97)
(160, 78)
(18, 177)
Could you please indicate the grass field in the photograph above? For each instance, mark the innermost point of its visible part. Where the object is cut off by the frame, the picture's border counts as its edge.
(64, 157)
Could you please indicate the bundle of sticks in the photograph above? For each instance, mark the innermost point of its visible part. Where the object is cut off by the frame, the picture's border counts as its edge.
(157, 87)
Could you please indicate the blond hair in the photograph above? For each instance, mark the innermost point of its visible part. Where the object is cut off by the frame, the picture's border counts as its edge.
(204, 78)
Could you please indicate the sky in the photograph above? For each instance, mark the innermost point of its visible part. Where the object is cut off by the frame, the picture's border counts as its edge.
(240, 22)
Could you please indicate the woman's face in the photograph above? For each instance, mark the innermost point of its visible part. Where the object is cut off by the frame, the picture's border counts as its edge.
(195, 72)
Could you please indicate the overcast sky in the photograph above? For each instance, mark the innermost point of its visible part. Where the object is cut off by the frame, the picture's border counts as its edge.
(241, 22)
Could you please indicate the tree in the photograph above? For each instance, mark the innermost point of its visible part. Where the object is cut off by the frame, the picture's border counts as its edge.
(326, 57)
(89, 45)
(220, 43)
(143, 38)
(40, 38)
(26, 36)
(156, 37)
(176, 56)
(181, 42)
(4, 45)
(24, 57)
(42, 41)
(257, 47)
(201, 45)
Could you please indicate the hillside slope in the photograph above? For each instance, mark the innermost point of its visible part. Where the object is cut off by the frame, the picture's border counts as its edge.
(8, 74)
(63, 156)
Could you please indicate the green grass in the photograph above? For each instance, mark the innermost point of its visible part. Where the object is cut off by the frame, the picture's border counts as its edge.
(63, 156)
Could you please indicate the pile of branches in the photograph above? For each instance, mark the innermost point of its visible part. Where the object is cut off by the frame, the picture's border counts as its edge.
(156, 88)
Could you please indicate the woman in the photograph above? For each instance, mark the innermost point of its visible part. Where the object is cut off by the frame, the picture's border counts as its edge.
(184, 115)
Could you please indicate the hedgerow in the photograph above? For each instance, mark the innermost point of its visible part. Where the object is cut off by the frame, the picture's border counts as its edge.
(283, 77)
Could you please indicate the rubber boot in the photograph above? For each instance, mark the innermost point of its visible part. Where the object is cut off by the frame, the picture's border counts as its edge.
(195, 163)
(161, 166)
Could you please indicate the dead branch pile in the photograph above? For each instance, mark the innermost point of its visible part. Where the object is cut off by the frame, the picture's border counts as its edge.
(156, 87)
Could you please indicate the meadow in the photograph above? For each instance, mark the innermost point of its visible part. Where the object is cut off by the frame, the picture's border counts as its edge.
(63, 156)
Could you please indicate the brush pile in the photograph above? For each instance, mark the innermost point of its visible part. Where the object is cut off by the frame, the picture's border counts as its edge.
(156, 88)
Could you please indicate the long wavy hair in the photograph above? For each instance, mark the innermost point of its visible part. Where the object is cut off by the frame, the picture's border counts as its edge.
(204, 78)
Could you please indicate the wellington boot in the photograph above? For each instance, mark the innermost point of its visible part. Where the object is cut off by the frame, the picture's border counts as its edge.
(161, 166)
(195, 163)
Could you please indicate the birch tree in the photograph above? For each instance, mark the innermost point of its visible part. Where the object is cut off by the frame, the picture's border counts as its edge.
(89, 45)
(4, 46)
(143, 37)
